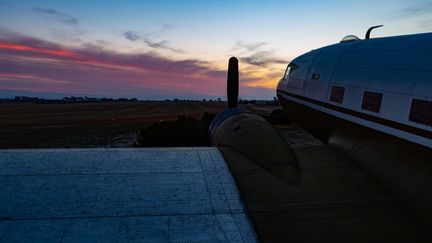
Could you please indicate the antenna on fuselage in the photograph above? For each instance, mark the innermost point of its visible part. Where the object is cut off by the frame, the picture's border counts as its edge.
(370, 30)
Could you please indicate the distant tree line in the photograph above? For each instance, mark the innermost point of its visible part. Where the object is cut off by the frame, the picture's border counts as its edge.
(85, 99)
(71, 99)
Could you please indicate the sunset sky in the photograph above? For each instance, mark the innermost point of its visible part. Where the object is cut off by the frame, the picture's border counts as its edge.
(177, 49)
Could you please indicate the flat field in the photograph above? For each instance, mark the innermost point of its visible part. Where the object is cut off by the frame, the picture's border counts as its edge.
(75, 125)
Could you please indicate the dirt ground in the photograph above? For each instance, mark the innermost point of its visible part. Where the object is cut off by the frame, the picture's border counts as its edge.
(78, 125)
(88, 124)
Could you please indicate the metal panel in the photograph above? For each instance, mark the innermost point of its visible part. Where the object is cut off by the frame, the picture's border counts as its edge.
(151, 195)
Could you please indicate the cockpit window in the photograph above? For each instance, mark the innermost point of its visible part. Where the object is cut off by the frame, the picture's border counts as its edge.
(291, 67)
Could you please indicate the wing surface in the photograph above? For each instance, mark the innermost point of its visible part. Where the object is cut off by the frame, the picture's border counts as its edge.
(133, 194)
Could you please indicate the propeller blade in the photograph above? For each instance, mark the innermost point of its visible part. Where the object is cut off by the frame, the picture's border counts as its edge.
(233, 82)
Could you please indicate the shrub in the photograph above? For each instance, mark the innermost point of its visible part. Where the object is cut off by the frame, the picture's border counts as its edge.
(183, 132)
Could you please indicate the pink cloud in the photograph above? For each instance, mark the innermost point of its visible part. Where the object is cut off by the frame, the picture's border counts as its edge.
(33, 65)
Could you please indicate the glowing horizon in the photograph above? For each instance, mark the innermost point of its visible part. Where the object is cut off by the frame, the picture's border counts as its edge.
(170, 49)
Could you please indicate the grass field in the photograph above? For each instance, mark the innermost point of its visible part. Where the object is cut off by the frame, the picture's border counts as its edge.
(88, 124)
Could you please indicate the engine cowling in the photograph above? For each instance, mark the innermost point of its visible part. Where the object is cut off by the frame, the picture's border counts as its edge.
(251, 136)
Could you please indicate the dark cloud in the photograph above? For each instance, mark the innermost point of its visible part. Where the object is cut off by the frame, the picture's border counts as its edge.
(132, 36)
(240, 45)
(263, 59)
(161, 45)
(255, 54)
(414, 10)
(8, 35)
(53, 14)
(147, 39)
(419, 10)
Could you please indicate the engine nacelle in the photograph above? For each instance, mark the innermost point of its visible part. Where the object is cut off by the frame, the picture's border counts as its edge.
(256, 140)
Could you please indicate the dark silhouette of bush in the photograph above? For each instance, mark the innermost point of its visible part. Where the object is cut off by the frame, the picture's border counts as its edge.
(183, 132)
(278, 117)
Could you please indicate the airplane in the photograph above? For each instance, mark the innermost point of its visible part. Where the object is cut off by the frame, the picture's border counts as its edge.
(371, 183)
(371, 99)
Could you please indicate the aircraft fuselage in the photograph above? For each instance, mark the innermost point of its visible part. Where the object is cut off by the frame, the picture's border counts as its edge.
(371, 99)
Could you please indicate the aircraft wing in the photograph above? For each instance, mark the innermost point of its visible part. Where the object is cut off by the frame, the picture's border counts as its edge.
(134, 194)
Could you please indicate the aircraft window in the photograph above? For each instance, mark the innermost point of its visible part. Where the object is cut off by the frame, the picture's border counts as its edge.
(421, 112)
(337, 94)
(290, 68)
(371, 101)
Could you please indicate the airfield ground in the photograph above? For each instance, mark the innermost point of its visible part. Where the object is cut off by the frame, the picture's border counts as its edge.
(79, 125)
